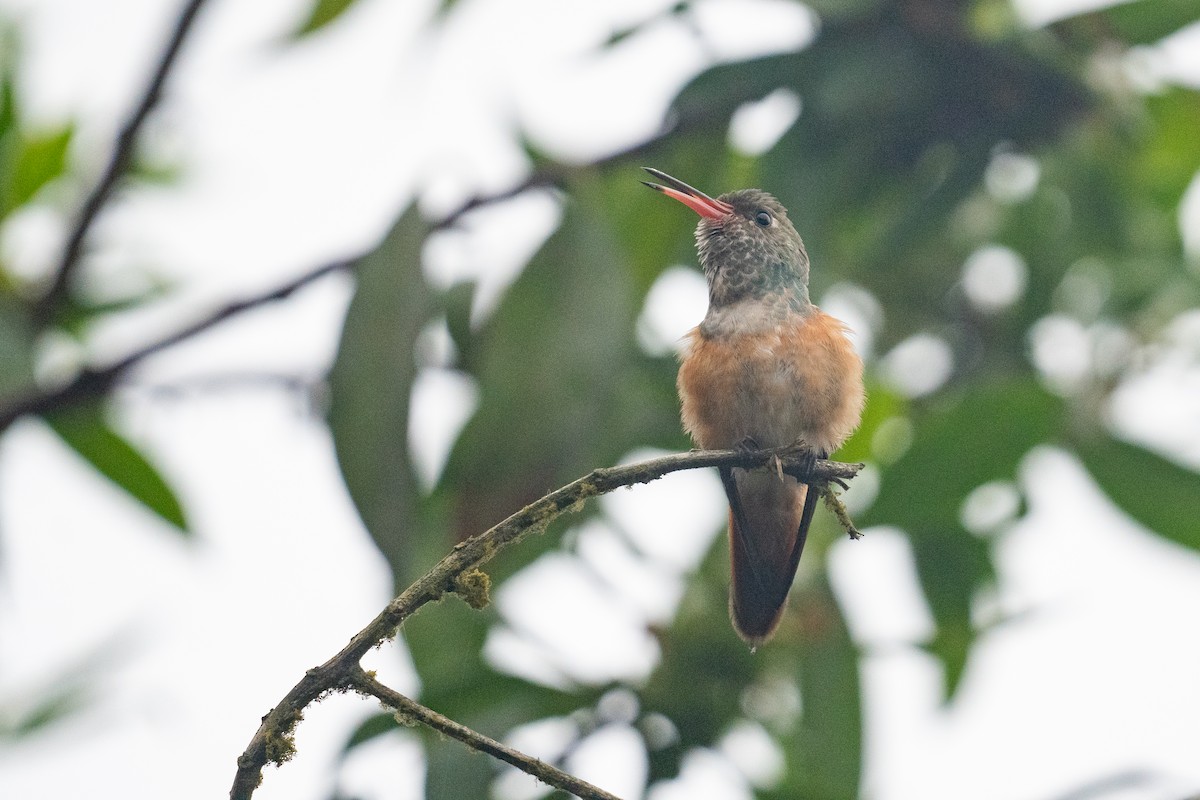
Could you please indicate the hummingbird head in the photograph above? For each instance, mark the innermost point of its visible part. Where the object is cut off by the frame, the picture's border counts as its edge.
(748, 247)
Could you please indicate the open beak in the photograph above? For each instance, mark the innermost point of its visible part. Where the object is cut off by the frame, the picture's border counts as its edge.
(694, 199)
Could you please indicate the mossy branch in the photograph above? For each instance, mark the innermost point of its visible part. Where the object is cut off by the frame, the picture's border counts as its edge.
(119, 160)
(365, 683)
(457, 573)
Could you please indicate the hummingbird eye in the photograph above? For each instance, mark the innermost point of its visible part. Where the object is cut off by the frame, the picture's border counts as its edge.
(763, 219)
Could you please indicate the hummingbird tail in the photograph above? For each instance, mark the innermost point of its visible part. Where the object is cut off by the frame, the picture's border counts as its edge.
(768, 522)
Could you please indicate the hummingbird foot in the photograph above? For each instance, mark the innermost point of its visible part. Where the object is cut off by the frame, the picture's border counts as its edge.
(807, 459)
(749, 443)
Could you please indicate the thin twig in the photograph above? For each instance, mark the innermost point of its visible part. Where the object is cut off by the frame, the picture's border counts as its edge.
(554, 174)
(224, 382)
(95, 381)
(118, 163)
(409, 709)
(274, 735)
(538, 179)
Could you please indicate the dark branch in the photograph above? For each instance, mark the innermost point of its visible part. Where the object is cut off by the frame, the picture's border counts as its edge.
(539, 179)
(95, 381)
(411, 710)
(122, 154)
(275, 732)
(552, 175)
(225, 382)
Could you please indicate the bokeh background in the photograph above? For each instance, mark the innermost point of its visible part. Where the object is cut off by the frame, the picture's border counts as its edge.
(999, 197)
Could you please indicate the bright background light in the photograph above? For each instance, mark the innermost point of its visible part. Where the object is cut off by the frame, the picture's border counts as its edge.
(292, 155)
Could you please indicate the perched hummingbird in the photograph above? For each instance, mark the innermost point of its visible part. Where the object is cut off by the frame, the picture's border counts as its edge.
(765, 368)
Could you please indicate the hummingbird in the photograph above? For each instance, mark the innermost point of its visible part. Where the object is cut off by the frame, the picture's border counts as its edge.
(765, 368)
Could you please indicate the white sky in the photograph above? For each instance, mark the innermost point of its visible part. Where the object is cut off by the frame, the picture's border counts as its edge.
(295, 155)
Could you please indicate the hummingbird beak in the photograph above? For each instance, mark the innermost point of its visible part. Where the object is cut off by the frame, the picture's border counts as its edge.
(694, 199)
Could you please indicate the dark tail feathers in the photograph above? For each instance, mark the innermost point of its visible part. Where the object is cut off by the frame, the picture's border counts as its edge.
(768, 523)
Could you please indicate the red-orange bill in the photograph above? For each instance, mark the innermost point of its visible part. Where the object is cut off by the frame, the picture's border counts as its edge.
(691, 197)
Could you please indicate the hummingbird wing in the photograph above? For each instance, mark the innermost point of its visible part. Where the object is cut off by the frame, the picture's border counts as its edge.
(769, 517)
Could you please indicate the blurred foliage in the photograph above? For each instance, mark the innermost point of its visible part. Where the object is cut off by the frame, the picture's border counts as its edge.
(321, 14)
(563, 384)
(31, 160)
(928, 132)
(917, 121)
(85, 431)
(370, 386)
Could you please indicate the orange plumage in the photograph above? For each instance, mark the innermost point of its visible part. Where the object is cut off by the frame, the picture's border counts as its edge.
(799, 382)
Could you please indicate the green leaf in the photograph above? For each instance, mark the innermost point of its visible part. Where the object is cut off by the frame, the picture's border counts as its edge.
(1156, 492)
(370, 728)
(38, 160)
(1145, 21)
(967, 441)
(85, 431)
(1168, 160)
(882, 405)
(952, 566)
(79, 311)
(979, 437)
(653, 233)
(30, 710)
(16, 349)
(10, 47)
(563, 387)
(61, 704)
(706, 669)
(826, 748)
(370, 387)
(457, 302)
(321, 14)
(708, 680)
(62, 691)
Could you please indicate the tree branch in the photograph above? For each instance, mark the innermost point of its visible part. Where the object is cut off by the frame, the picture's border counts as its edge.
(553, 174)
(272, 741)
(364, 683)
(546, 177)
(226, 382)
(95, 381)
(92, 382)
(46, 307)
